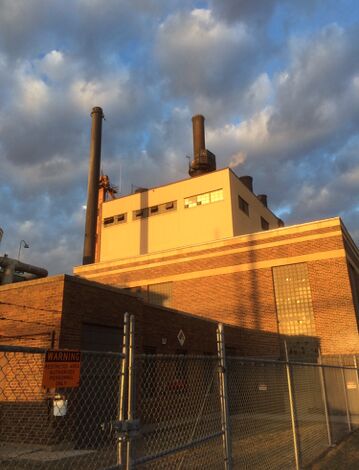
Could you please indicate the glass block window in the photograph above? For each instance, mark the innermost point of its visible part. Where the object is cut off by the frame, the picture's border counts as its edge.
(160, 294)
(202, 199)
(294, 300)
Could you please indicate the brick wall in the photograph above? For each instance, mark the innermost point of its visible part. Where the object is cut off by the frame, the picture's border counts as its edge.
(244, 295)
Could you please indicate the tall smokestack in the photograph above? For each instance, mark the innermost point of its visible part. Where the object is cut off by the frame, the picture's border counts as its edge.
(198, 134)
(92, 186)
(203, 161)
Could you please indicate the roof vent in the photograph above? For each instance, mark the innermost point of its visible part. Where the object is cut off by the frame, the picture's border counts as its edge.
(263, 199)
(247, 181)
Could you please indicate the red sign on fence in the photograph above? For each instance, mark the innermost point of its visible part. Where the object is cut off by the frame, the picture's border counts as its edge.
(61, 369)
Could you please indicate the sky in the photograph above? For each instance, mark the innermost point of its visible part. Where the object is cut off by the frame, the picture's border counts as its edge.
(277, 80)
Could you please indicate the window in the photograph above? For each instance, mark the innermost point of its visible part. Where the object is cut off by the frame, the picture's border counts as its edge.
(154, 210)
(243, 205)
(293, 299)
(203, 199)
(354, 284)
(108, 221)
(116, 219)
(264, 224)
(160, 294)
(121, 218)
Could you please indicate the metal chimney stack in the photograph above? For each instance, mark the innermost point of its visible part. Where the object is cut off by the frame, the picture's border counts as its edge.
(92, 186)
(203, 161)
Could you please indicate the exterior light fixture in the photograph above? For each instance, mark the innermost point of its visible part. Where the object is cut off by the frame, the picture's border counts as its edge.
(26, 245)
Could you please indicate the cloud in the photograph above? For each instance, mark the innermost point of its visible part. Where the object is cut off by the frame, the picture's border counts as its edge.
(281, 106)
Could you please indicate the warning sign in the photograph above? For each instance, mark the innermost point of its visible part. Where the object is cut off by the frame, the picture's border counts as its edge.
(61, 369)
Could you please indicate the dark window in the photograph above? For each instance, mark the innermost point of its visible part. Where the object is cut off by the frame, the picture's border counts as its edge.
(154, 209)
(108, 221)
(243, 205)
(121, 218)
(264, 224)
(170, 205)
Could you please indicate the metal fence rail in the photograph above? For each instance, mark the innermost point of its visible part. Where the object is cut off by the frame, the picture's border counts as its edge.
(174, 412)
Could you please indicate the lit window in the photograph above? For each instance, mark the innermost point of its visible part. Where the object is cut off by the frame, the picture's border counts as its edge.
(217, 195)
(203, 199)
(243, 205)
(293, 300)
(190, 202)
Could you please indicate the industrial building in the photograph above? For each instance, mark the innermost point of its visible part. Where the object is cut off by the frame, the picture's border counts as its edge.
(181, 258)
(204, 249)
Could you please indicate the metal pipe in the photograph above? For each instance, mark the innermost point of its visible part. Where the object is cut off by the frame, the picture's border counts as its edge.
(11, 265)
(92, 186)
(198, 134)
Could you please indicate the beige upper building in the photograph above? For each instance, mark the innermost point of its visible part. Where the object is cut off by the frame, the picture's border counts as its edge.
(206, 208)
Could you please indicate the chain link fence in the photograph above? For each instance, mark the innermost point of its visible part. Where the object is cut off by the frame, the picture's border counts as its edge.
(57, 428)
(174, 412)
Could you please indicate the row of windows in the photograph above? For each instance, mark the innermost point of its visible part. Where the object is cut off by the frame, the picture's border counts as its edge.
(193, 201)
(154, 210)
(244, 207)
(141, 213)
(204, 198)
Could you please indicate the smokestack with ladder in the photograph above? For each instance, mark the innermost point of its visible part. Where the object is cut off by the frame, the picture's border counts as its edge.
(92, 186)
(203, 161)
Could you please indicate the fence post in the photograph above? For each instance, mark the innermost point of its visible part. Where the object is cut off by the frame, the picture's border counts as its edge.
(345, 394)
(123, 383)
(324, 397)
(355, 362)
(227, 448)
(130, 404)
(292, 410)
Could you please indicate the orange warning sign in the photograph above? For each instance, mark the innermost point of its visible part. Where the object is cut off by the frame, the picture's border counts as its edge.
(61, 369)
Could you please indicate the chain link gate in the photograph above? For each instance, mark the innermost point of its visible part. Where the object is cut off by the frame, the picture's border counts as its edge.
(182, 409)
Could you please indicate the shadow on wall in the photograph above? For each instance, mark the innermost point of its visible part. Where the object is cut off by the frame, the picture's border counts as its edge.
(144, 222)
